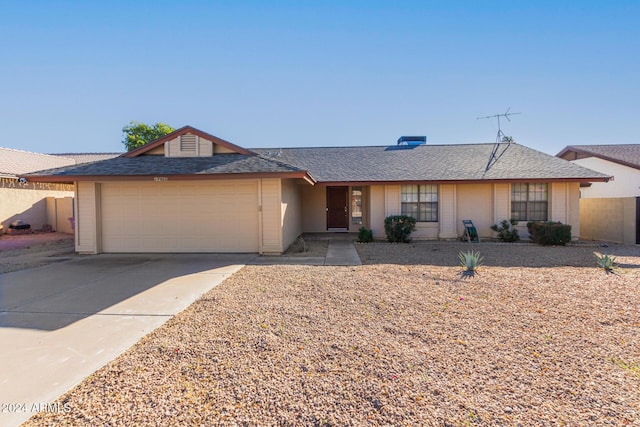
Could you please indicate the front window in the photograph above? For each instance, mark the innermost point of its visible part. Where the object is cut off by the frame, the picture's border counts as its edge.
(529, 202)
(356, 205)
(420, 202)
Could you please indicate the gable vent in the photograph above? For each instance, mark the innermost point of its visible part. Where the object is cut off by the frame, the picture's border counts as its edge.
(188, 143)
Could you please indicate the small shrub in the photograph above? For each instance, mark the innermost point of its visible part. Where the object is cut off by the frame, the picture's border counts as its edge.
(549, 232)
(300, 245)
(506, 230)
(470, 260)
(364, 235)
(399, 227)
(606, 262)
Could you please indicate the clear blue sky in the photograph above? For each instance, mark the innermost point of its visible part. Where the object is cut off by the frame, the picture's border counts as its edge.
(297, 73)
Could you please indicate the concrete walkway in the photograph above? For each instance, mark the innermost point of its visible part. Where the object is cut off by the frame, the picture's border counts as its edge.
(339, 252)
(62, 322)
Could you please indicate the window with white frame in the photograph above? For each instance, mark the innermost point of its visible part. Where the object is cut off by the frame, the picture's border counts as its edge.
(356, 205)
(420, 202)
(529, 202)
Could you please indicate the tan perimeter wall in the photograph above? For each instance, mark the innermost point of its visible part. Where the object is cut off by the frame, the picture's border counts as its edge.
(611, 219)
(291, 211)
(27, 201)
(59, 210)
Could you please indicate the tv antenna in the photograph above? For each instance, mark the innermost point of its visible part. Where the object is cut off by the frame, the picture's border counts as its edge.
(500, 138)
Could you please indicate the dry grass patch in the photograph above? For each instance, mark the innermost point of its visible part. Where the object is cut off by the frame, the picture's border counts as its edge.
(384, 344)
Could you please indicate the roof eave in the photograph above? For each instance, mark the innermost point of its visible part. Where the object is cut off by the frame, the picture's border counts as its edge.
(465, 181)
(598, 155)
(68, 179)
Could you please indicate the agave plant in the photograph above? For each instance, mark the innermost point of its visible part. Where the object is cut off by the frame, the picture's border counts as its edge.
(470, 260)
(606, 262)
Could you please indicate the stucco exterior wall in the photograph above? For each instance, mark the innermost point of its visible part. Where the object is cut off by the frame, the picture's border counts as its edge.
(501, 202)
(573, 216)
(270, 199)
(87, 214)
(448, 216)
(27, 201)
(376, 208)
(625, 183)
(291, 211)
(484, 204)
(475, 202)
(564, 200)
(609, 219)
(314, 218)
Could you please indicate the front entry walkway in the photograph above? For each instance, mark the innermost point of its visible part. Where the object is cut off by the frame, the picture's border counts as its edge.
(339, 252)
(342, 252)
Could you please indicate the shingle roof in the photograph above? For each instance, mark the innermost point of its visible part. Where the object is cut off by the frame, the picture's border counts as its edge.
(625, 154)
(160, 165)
(17, 162)
(465, 162)
(429, 163)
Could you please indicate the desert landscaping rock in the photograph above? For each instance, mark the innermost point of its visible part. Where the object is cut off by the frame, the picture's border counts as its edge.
(34, 250)
(539, 336)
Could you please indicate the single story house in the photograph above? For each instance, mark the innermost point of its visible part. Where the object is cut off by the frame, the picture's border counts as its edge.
(609, 211)
(190, 191)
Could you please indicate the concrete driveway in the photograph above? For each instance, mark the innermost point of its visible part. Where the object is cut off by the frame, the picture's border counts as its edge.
(62, 322)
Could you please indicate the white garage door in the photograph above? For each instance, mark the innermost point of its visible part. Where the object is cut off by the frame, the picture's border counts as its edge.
(181, 216)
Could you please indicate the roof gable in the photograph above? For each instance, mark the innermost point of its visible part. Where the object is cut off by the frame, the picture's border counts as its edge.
(623, 154)
(155, 146)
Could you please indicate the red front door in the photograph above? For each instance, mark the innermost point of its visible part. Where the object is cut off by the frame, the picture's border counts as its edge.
(338, 207)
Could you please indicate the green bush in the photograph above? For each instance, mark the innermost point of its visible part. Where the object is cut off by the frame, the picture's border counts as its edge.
(364, 235)
(506, 231)
(549, 232)
(399, 227)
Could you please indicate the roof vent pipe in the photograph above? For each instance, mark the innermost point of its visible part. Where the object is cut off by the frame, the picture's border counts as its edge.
(412, 140)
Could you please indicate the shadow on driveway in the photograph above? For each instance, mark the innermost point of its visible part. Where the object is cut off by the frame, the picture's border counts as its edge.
(57, 295)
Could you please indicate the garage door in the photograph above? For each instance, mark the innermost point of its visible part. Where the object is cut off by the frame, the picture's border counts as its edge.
(186, 216)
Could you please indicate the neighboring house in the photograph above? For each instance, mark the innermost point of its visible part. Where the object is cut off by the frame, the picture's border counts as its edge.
(38, 203)
(31, 201)
(190, 191)
(609, 211)
(622, 161)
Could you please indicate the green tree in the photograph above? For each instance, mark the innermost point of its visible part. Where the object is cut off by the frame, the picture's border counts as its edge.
(508, 139)
(136, 134)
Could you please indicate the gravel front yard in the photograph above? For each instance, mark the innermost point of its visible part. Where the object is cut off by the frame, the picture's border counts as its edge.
(34, 250)
(539, 337)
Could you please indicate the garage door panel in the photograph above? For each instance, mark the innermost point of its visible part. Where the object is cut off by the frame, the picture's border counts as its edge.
(180, 217)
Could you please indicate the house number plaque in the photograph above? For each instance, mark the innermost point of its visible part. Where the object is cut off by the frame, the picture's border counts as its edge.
(160, 178)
